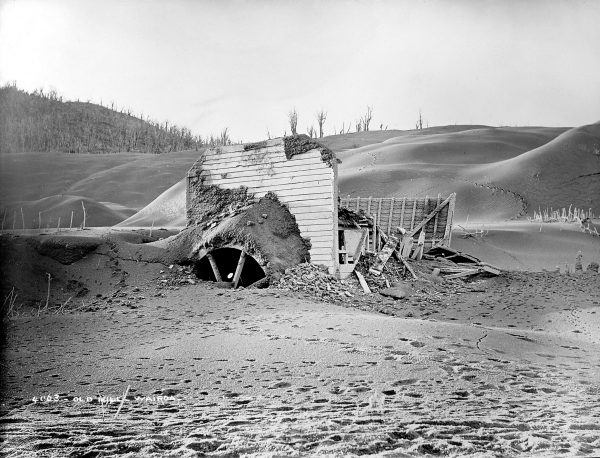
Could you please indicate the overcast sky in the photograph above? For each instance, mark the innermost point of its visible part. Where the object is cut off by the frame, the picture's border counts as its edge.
(244, 64)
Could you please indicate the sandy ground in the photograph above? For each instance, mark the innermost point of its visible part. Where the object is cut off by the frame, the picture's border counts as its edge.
(527, 246)
(507, 367)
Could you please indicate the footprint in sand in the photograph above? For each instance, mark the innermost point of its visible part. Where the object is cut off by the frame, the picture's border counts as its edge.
(408, 381)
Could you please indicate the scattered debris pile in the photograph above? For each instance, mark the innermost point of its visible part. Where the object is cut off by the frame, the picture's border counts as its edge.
(419, 276)
(316, 281)
(454, 264)
(350, 218)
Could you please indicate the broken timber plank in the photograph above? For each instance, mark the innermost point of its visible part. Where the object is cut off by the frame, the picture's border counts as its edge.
(362, 281)
(238, 269)
(387, 283)
(435, 221)
(420, 246)
(384, 255)
(361, 243)
(407, 244)
(403, 261)
(389, 229)
(214, 266)
(430, 216)
(402, 212)
(490, 269)
(462, 274)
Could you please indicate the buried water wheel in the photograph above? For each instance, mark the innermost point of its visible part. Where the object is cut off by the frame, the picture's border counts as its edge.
(229, 265)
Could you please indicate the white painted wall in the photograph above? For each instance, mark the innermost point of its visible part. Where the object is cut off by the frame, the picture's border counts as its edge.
(305, 183)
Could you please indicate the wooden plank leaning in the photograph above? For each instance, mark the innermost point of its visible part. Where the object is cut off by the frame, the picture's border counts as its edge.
(361, 244)
(238, 269)
(362, 281)
(384, 255)
(400, 258)
(428, 218)
(214, 266)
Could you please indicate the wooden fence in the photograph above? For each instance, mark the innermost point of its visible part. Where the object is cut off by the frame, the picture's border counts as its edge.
(433, 216)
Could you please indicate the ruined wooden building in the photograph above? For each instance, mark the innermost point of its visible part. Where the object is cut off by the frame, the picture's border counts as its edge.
(303, 176)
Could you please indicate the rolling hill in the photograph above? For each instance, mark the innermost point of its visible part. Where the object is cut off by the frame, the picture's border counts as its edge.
(41, 121)
(498, 174)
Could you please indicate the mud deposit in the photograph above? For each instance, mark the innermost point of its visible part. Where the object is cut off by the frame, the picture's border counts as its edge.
(216, 372)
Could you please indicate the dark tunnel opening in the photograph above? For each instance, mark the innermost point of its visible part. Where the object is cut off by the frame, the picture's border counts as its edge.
(226, 260)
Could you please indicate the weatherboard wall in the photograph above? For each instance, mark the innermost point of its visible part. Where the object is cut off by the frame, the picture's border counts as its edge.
(305, 183)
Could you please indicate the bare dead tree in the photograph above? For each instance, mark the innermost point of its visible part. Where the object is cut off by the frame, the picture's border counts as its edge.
(224, 140)
(311, 132)
(366, 119)
(321, 117)
(293, 119)
(359, 125)
(419, 125)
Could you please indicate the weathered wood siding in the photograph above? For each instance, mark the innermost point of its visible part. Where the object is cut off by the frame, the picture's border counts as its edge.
(305, 183)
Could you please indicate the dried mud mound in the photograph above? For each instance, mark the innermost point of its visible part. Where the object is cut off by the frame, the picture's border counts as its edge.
(265, 229)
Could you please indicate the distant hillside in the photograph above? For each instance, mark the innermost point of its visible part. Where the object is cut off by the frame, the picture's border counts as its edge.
(44, 122)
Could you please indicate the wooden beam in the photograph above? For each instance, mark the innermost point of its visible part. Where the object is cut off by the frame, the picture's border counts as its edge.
(362, 281)
(449, 218)
(403, 261)
(361, 243)
(384, 255)
(238, 269)
(430, 216)
(463, 274)
(435, 222)
(406, 246)
(389, 231)
(402, 212)
(214, 266)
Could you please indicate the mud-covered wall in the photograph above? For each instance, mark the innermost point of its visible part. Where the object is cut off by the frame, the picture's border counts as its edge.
(304, 177)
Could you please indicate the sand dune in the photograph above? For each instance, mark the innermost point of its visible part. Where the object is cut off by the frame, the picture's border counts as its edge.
(139, 182)
(32, 176)
(123, 180)
(358, 139)
(168, 210)
(497, 173)
(521, 245)
(485, 166)
(562, 172)
(45, 213)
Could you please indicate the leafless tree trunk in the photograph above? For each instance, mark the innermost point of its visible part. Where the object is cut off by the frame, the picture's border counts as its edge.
(321, 117)
(224, 140)
(366, 119)
(293, 118)
(419, 125)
